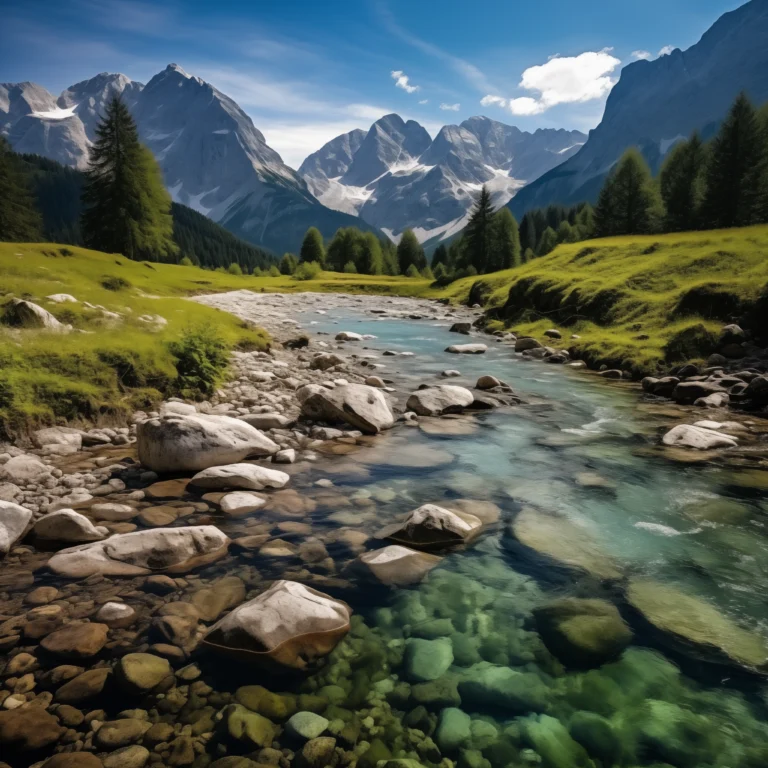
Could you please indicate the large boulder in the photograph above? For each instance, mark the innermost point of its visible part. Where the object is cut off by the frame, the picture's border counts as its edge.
(174, 550)
(326, 360)
(141, 672)
(757, 389)
(687, 392)
(433, 527)
(467, 349)
(248, 477)
(25, 314)
(696, 625)
(690, 436)
(362, 406)
(68, 526)
(58, 436)
(444, 398)
(14, 521)
(289, 625)
(24, 470)
(189, 443)
(526, 343)
(28, 730)
(76, 640)
(396, 566)
(582, 632)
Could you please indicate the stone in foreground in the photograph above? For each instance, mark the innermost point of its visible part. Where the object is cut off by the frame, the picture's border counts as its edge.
(289, 625)
(68, 526)
(435, 401)
(697, 625)
(362, 406)
(433, 527)
(190, 443)
(467, 349)
(14, 520)
(397, 566)
(689, 436)
(174, 550)
(582, 632)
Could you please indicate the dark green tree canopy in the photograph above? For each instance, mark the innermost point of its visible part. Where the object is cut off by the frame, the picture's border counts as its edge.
(312, 248)
(410, 253)
(505, 241)
(20, 219)
(478, 238)
(682, 183)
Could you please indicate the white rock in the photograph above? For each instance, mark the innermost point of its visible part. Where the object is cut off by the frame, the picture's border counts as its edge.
(28, 315)
(66, 525)
(194, 442)
(173, 408)
(286, 456)
(143, 552)
(444, 398)
(397, 566)
(116, 615)
(348, 336)
(357, 404)
(267, 420)
(14, 520)
(467, 349)
(240, 503)
(58, 436)
(250, 477)
(24, 470)
(289, 622)
(62, 298)
(690, 436)
(431, 526)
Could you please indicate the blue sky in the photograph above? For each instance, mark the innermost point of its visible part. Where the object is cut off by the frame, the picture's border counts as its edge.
(307, 70)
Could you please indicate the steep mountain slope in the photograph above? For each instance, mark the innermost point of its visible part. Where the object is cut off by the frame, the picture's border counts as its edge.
(213, 158)
(657, 102)
(399, 178)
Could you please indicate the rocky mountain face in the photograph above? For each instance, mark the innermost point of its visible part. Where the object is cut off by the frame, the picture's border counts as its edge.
(395, 176)
(655, 103)
(213, 158)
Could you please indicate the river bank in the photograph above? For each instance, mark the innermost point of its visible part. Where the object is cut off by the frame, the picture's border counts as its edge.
(474, 665)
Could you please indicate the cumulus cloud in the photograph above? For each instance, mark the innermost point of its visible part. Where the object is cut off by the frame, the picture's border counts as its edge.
(525, 105)
(450, 107)
(644, 55)
(490, 100)
(402, 81)
(666, 50)
(423, 101)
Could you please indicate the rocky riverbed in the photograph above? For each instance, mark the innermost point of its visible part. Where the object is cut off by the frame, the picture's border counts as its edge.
(326, 564)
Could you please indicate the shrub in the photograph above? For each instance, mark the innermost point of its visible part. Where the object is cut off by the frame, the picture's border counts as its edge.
(350, 268)
(412, 271)
(200, 358)
(235, 269)
(274, 271)
(114, 283)
(258, 272)
(186, 262)
(307, 270)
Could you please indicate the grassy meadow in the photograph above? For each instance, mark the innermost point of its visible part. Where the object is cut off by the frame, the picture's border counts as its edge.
(635, 302)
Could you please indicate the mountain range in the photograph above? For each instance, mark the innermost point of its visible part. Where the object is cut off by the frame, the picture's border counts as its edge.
(656, 103)
(395, 176)
(213, 158)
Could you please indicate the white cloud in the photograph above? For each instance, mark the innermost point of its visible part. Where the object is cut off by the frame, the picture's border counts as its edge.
(490, 100)
(666, 50)
(402, 81)
(563, 80)
(450, 107)
(424, 101)
(644, 55)
(525, 105)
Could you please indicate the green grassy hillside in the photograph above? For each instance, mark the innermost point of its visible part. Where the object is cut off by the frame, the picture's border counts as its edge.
(636, 302)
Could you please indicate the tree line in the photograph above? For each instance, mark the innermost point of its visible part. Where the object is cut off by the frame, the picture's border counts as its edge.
(119, 205)
(701, 185)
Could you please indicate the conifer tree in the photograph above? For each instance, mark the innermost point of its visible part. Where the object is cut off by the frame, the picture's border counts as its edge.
(548, 242)
(410, 253)
(20, 220)
(528, 236)
(288, 264)
(565, 232)
(528, 255)
(312, 248)
(682, 183)
(126, 207)
(372, 257)
(389, 257)
(478, 235)
(440, 256)
(629, 202)
(736, 170)
(505, 241)
(585, 222)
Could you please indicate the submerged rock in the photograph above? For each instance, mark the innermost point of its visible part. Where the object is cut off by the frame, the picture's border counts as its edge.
(289, 625)
(550, 738)
(175, 550)
(444, 398)
(433, 527)
(487, 685)
(427, 660)
(563, 541)
(397, 566)
(141, 672)
(362, 406)
(189, 443)
(690, 436)
(697, 625)
(306, 725)
(582, 632)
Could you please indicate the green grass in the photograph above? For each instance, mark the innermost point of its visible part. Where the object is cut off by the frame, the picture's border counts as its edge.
(639, 303)
(106, 368)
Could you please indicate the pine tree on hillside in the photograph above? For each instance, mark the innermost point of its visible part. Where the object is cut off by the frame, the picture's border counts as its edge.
(528, 236)
(629, 202)
(478, 232)
(126, 207)
(585, 222)
(682, 183)
(288, 264)
(440, 256)
(389, 257)
(565, 233)
(372, 257)
(505, 241)
(20, 219)
(547, 242)
(737, 172)
(410, 253)
(312, 248)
